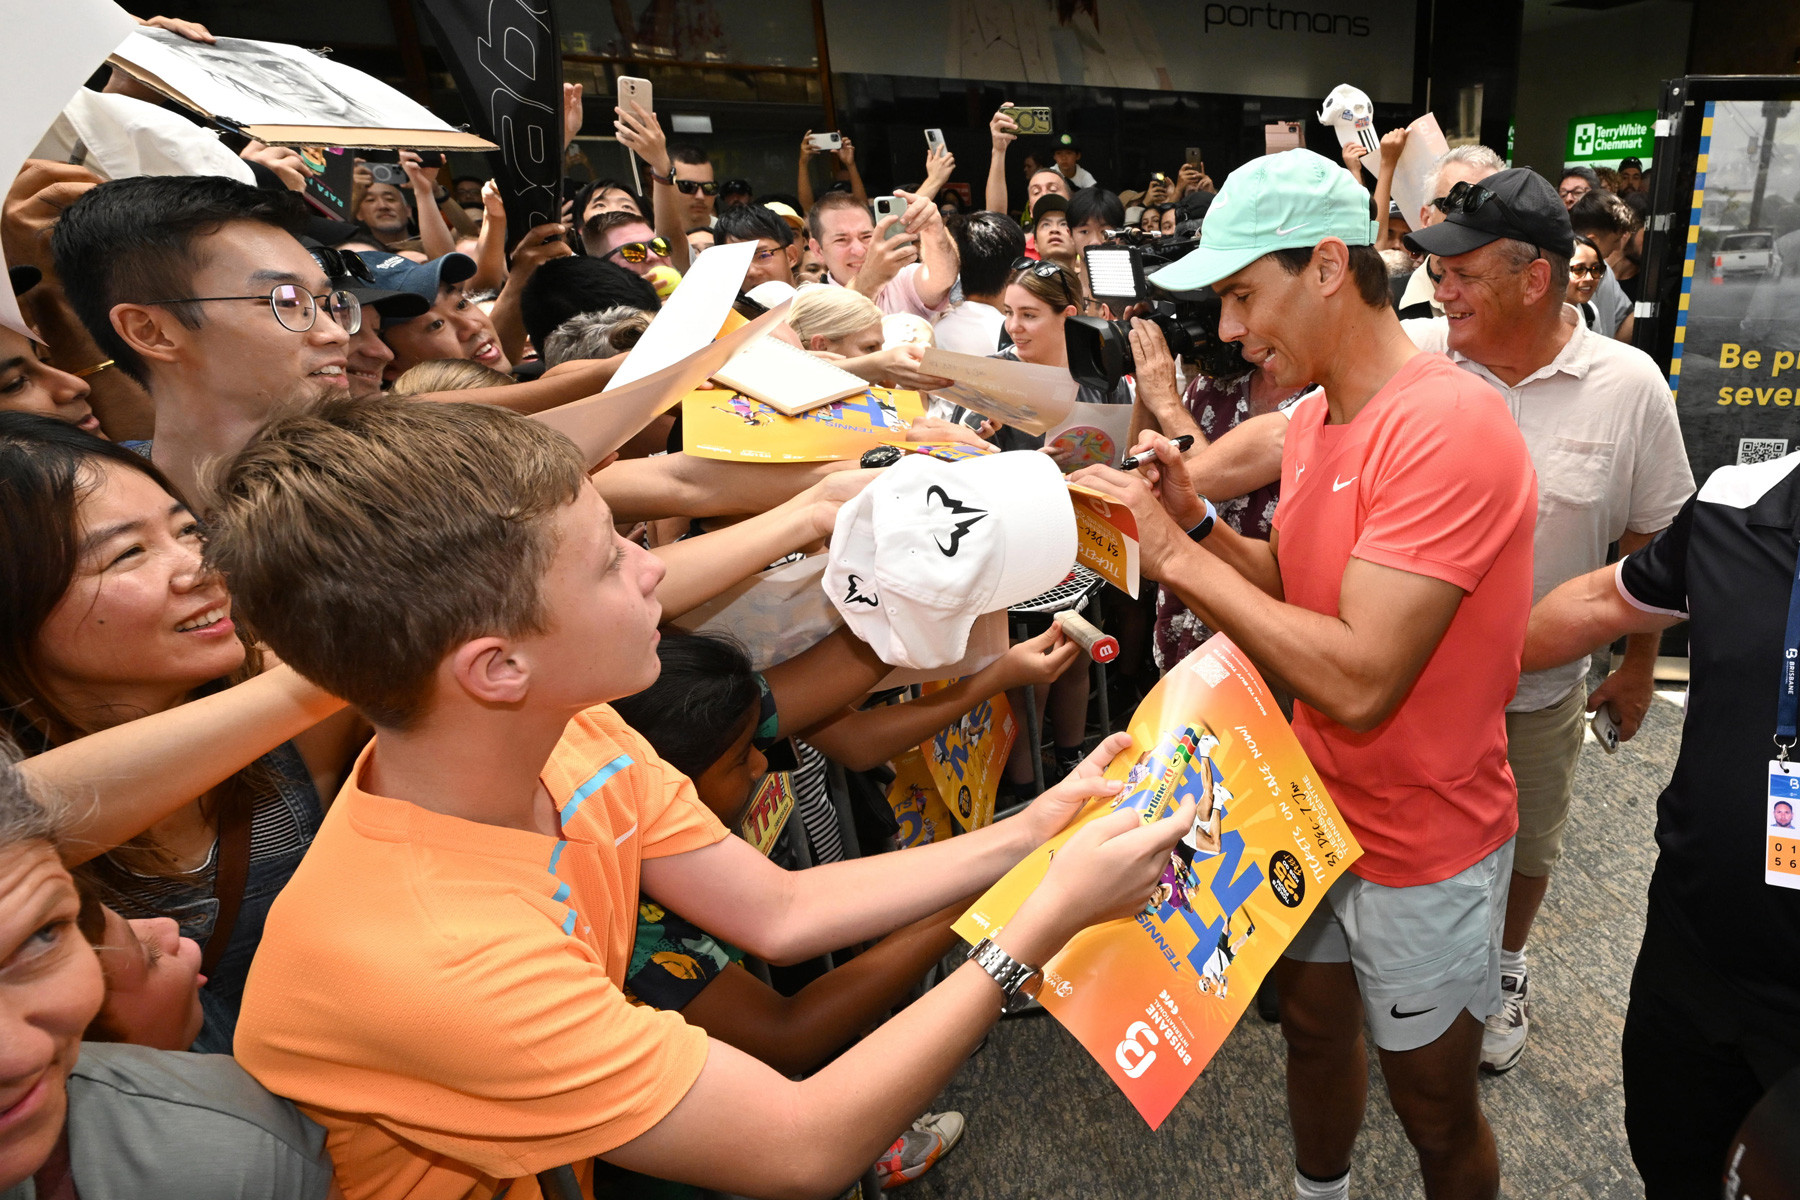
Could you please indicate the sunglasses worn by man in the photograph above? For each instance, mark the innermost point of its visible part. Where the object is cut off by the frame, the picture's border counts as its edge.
(640, 252)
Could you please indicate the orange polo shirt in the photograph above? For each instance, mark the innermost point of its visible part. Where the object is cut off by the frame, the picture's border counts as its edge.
(443, 996)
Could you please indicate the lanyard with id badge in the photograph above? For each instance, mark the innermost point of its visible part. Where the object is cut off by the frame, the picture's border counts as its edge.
(1781, 864)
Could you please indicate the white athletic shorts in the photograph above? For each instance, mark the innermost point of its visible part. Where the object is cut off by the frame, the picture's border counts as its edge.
(1421, 954)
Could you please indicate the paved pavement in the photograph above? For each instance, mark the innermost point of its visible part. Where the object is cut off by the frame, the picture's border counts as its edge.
(1045, 1123)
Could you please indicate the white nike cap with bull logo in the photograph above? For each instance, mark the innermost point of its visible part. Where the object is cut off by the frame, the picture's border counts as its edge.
(929, 546)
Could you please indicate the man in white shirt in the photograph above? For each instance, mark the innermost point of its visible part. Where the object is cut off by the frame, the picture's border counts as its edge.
(911, 271)
(1601, 428)
(988, 243)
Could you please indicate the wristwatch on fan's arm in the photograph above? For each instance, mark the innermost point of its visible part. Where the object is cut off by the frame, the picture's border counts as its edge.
(1018, 982)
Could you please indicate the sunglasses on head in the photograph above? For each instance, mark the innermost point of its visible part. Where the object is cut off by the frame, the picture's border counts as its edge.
(705, 187)
(637, 252)
(1465, 197)
(1047, 270)
(340, 264)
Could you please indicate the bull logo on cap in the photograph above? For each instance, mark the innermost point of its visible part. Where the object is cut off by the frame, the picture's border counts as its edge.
(853, 596)
(950, 507)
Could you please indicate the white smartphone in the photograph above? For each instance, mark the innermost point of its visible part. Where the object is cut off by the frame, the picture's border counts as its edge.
(934, 140)
(633, 90)
(825, 141)
(1605, 725)
(890, 206)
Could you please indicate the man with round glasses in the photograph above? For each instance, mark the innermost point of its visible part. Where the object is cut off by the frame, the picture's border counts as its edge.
(198, 288)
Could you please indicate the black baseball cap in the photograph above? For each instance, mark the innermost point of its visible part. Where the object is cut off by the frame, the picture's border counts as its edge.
(1518, 203)
(1046, 203)
(1067, 141)
(1631, 162)
(348, 271)
(732, 187)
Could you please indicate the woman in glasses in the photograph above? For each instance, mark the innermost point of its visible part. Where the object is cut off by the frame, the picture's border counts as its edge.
(110, 617)
(1038, 303)
(1585, 271)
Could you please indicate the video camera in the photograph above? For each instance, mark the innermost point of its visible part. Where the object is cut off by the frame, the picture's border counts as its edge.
(1100, 350)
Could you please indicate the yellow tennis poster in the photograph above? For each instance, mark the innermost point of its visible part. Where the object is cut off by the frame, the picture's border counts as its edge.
(1153, 998)
(918, 808)
(719, 423)
(967, 756)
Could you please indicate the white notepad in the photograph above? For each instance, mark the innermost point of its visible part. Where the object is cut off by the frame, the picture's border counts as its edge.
(787, 378)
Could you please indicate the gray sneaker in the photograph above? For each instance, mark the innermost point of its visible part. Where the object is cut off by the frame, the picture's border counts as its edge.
(1503, 1040)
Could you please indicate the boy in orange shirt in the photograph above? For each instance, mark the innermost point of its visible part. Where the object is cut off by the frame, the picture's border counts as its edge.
(439, 983)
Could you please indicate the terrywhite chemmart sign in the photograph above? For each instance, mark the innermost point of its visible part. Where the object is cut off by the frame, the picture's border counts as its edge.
(1603, 139)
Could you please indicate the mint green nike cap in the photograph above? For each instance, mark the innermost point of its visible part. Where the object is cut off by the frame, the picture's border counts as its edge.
(1276, 202)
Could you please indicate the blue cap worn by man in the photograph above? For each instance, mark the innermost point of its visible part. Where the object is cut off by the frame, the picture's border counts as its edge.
(1402, 555)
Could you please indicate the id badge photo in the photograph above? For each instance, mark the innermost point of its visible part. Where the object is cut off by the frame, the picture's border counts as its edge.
(1781, 863)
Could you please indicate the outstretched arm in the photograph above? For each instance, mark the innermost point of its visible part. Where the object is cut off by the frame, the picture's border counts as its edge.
(1002, 131)
(795, 1034)
(1587, 612)
(137, 773)
(865, 739)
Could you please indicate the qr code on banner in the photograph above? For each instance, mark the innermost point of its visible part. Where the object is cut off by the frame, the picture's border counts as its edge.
(1755, 450)
(1211, 670)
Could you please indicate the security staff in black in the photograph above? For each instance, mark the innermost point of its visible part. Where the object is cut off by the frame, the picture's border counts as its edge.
(1711, 1024)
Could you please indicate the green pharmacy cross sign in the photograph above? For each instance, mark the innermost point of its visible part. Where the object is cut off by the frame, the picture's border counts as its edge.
(1601, 140)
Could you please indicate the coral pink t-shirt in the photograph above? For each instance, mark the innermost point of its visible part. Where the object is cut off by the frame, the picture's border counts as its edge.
(1432, 477)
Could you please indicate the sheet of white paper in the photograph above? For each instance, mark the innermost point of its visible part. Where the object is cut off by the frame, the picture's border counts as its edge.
(692, 315)
(1027, 396)
(1424, 144)
(59, 46)
(601, 424)
(273, 83)
(1092, 434)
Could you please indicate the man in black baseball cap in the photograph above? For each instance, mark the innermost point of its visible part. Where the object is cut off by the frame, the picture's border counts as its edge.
(1600, 425)
(735, 191)
(1050, 230)
(367, 356)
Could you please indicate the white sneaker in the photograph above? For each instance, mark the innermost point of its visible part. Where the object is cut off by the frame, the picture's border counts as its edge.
(1503, 1041)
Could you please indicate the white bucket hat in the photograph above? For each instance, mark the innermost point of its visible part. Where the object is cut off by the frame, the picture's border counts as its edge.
(929, 546)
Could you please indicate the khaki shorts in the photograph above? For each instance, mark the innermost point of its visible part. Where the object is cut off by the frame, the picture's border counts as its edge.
(1542, 747)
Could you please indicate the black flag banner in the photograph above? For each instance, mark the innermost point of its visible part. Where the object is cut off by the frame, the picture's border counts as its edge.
(507, 62)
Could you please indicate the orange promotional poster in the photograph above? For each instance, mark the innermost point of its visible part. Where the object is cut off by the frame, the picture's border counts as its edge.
(967, 756)
(719, 423)
(1106, 538)
(918, 809)
(1153, 998)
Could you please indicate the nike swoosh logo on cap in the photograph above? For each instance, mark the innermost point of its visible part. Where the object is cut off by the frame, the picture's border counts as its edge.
(1279, 232)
